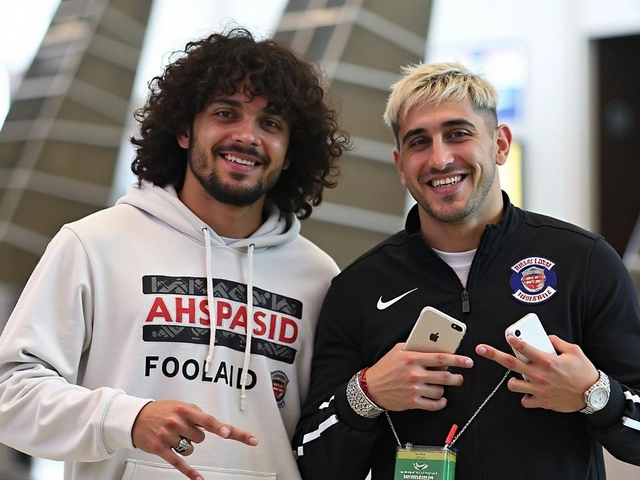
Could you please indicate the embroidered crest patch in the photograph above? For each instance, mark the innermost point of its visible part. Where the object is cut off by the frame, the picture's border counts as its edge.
(279, 381)
(533, 280)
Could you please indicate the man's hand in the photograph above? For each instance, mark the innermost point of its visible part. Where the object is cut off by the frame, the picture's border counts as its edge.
(403, 380)
(160, 426)
(556, 382)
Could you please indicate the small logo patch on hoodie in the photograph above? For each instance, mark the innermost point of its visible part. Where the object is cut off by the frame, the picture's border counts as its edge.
(279, 380)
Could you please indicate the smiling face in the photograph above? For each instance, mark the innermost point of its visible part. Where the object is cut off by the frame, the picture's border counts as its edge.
(448, 158)
(236, 150)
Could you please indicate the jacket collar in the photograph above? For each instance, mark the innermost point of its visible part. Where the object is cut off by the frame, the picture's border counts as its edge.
(494, 236)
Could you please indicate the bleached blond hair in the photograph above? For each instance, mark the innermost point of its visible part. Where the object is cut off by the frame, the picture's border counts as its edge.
(433, 83)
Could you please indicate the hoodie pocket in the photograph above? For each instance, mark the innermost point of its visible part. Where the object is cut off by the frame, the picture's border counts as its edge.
(141, 470)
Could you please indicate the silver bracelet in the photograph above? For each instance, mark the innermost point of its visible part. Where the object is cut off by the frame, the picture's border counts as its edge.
(358, 400)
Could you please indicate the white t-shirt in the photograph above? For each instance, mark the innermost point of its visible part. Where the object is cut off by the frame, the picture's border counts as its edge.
(459, 261)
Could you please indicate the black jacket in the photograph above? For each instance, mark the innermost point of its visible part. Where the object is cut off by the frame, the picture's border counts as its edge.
(589, 300)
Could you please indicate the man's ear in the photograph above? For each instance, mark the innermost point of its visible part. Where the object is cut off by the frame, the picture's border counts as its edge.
(399, 166)
(183, 137)
(503, 144)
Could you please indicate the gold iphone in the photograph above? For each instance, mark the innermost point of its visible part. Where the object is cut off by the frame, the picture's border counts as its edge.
(435, 331)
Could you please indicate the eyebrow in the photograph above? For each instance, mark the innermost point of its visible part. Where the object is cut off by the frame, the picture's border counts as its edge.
(237, 103)
(225, 101)
(456, 122)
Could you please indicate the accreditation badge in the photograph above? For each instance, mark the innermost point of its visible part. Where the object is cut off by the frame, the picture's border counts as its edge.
(425, 463)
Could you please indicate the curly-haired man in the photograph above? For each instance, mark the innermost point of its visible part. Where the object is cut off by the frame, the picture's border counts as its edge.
(193, 301)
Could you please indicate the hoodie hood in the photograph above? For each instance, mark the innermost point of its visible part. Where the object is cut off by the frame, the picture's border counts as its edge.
(276, 229)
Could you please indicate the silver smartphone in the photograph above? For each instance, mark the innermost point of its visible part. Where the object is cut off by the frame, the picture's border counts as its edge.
(530, 329)
(435, 331)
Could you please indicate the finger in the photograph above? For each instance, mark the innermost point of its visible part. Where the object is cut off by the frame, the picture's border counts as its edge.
(528, 400)
(427, 397)
(531, 401)
(182, 446)
(187, 452)
(432, 392)
(463, 362)
(518, 385)
(532, 353)
(504, 359)
(440, 360)
(224, 430)
(194, 434)
(233, 433)
(559, 344)
(445, 377)
(430, 404)
(177, 462)
(437, 376)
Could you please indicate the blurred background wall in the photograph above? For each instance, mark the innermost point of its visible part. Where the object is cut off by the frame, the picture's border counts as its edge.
(73, 71)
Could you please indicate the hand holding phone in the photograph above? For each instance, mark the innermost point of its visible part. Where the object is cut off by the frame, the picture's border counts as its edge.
(530, 329)
(399, 384)
(435, 331)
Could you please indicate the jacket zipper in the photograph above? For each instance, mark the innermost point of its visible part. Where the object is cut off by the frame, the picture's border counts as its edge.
(466, 308)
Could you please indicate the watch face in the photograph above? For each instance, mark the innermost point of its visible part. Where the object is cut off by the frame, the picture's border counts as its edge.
(598, 398)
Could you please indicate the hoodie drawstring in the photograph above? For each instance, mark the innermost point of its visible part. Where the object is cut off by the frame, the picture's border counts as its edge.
(213, 321)
(247, 348)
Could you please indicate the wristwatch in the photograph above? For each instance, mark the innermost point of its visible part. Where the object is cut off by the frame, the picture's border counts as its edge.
(597, 396)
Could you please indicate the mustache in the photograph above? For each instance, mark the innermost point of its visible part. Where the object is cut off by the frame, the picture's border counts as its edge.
(448, 169)
(218, 149)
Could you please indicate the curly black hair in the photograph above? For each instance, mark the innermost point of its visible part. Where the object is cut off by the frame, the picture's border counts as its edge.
(214, 66)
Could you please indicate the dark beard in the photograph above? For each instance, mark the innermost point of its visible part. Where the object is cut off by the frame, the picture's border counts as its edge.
(237, 196)
(230, 195)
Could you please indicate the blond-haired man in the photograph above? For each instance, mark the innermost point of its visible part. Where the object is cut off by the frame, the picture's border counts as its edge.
(469, 252)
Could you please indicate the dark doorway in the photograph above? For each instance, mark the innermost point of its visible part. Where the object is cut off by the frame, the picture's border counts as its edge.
(618, 104)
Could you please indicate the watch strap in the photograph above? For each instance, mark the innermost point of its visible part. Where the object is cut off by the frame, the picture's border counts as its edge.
(603, 382)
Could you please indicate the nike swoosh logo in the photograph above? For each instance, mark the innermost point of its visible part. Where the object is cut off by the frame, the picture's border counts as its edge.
(383, 305)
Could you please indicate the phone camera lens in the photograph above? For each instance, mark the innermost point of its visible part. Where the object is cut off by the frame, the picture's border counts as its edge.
(456, 327)
(517, 332)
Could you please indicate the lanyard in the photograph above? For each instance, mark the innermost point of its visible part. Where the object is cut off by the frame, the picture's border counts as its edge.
(448, 445)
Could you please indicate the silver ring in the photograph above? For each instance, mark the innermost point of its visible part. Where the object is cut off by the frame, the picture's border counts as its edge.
(183, 445)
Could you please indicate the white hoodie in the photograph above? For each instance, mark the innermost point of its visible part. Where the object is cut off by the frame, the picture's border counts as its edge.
(116, 313)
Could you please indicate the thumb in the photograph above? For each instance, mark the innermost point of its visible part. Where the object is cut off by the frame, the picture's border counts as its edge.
(558, 344)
